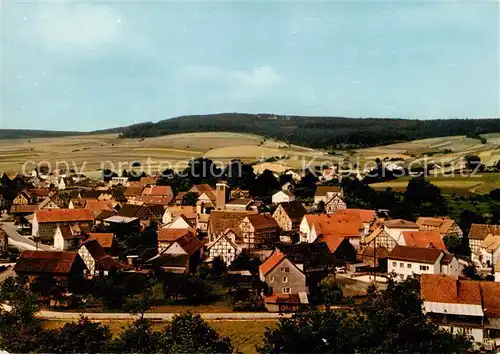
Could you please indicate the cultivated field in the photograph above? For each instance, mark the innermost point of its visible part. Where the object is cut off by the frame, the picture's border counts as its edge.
(174, 151)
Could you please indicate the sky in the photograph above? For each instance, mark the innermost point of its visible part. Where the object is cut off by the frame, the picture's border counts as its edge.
(100, 64)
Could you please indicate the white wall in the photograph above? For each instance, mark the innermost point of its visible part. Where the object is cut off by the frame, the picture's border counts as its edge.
(404, 271)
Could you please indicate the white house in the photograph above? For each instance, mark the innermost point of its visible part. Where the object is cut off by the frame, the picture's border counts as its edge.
(96, 260)
(488, 252)
(224, 247)
(181, 222)
(405, 261)
(67, 237)
(463, 306)
(282, 197)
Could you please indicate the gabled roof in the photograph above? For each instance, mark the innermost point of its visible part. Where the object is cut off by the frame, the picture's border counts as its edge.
(133, 191)
(220, 220)
(332, 241)
(276, 257)
(105, 214)
(154, 199)
(38, 192)
(63, 215)
(202, 188)
(262, 221)
(240, 201)
(415, 254)
(379, 231)
(96, 206)
(70, 232)
(400, 224)
(189, 244)
(131, 210)
(480, 231)
(295, 210)
(442, 223)
(187, 210)
(147, 180)
(491, 243)
(50, 262)
(424, 239)
(369, 251)
(158, 190)
(491, 300)
(23, 209)
(448, 289)
(223, 235)
(308, 254)
(171, 235)
(322, 191)
(340, 225)
(94, 248)
(104, 239)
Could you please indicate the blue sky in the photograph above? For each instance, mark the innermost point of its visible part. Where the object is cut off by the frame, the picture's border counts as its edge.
(94, 65)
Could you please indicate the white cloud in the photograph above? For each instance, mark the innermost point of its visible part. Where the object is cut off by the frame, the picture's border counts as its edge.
(256, 78)
(80, 26)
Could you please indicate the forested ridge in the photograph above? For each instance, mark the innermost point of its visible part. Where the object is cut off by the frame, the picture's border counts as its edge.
(317, 132)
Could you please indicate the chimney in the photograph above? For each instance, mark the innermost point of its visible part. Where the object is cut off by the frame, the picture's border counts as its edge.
(220, 194)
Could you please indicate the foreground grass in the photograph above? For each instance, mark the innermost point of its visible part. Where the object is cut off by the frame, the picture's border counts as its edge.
(244, 335)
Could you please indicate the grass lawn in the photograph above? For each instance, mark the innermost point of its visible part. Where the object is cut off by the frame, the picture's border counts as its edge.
(244, 335)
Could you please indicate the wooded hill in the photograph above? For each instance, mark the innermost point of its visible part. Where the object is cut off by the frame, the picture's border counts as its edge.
(318, 132)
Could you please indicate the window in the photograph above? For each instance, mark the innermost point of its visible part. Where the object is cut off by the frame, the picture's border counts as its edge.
(285, 269)
(285, 279)
(401, 276)
(271, 279)
(394, 264)
(401, 265)
(424, 267)
(286, 290)
(408, 266)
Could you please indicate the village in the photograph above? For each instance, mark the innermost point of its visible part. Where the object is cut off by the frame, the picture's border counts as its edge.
(74, 239)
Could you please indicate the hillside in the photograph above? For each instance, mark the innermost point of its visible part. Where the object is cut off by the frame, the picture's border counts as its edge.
(317, 132)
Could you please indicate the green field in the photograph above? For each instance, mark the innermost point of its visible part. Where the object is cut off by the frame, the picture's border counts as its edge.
(244, 335)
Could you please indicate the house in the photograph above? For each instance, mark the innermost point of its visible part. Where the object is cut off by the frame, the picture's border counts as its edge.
(131, 193)
(173, 212)
(326, 193)
(203, 189)
(335, 204)
(45, 222)
(445, 225)
(67, 237)
(145, 181)
(339, 247)
(225, 246)
(48, 203)
(31, 196)
(239, 204)
(96, 260)
(367, 216)
(405, 261)
(463, 306)
(373, 256)
(220, 220)
(283, 303)
(65, 182)
(289, 215)
(488, 253)
(282, 276)
(142, 212)
(22, 210)
(395, 227)
(115, 181)
(68, 267)
(181, 222)
(167, 236)
(153, 200)
(98, 206)
(105, 239)
(348, 226)
(158, 191)
(380, 238)
(478, 233)
(424, 239)
(122, 225)
(282, 197)
(183, 255)
(4, 241)
(311, 258)
(259, 230)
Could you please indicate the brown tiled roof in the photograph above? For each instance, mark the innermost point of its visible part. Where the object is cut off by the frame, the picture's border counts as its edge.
(187, 210)
(480, 231)
(158, 190)
(130, 210)
(39, 262)
(295, 210)
(202, 188)
(261, 221)
(105, 214)
(340, 225)
(443, 224)
(447, 258)
(240, 201)
(365, 215)
(374, 235)
(276, 257)
(39, 192)
(448, 289)
(147, 180)
(415, 254)
(78, 203)
(189, 244)
(491, 242)
(70, 233)
(221, 220)
(369, 251)
(23, 209)
(64, 215)
(133, 191)
(154, 200)
(94, 248)
(424, 239)
(96, 206)
(323, 190)
(171, 235)
(491, 300)
(104, 239)
(400, 223)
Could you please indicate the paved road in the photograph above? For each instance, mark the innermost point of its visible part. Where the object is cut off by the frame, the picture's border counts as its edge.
(20, 241)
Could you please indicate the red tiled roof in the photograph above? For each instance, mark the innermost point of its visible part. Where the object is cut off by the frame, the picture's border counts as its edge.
(37, 262)
(275, 258)
(365, 215)
(104, 239)
(332, 241)
(64, 215)
(171, 235)
(448, 289)
(133, 191)
(187, 210)
(415, 254)
(323, 190)
(480, 231)
(154, 199)
(424, 239)
(189, 244)
(158, 190)
(491, 300)
(261, 221)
